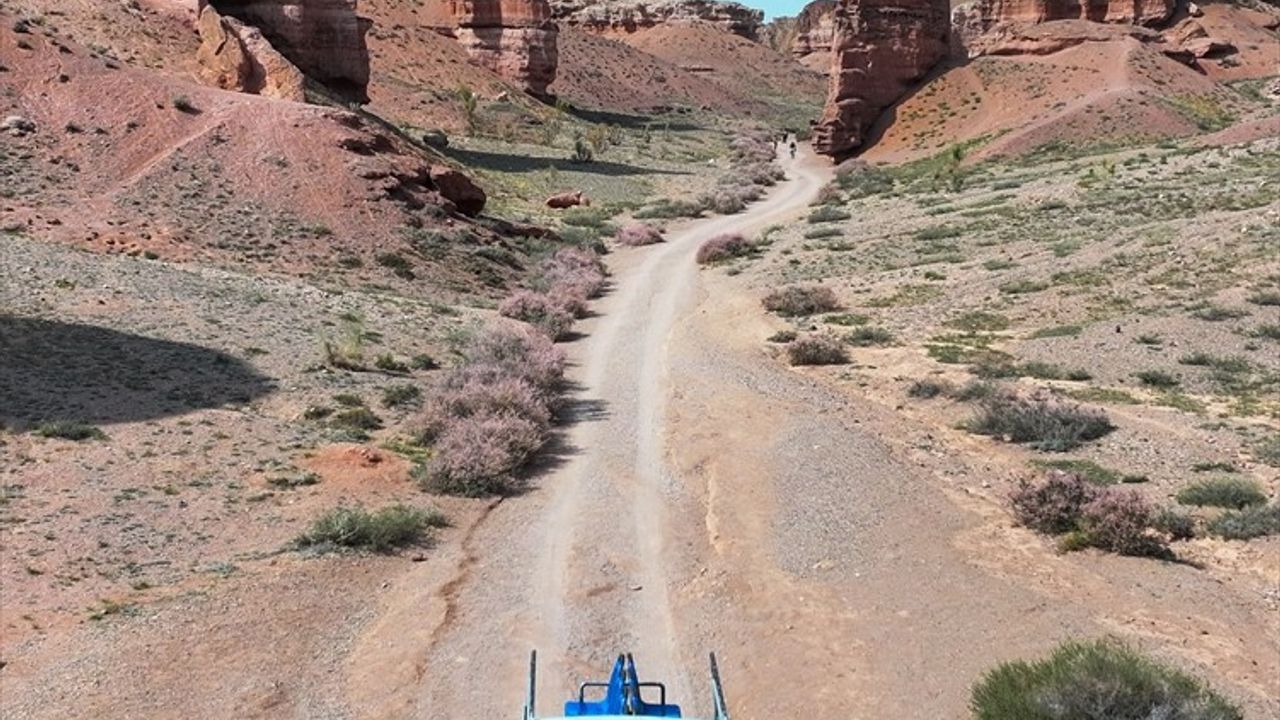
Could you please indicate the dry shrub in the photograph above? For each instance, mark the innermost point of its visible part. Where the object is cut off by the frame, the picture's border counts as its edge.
(573, 273)
(723, 247)
(799, 300)
(1040, 422)
(478, 456)
(540, 310)
(1055, 504)
(1090, 515)
(1121, 522)
(637, 234)
(817, 350)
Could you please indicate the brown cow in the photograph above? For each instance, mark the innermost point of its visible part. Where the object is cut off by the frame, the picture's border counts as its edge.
(568, 200)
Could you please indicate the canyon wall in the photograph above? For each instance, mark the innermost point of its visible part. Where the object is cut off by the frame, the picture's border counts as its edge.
(517, 39)
(627, 16)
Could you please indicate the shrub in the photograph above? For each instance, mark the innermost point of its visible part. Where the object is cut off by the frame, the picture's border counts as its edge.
(817, 350)
(182, 103)
(423, 361)
(398, 395)
(1176, 525)
(573, 273)
(726, 202)
(69, 430)
(782, 336)
(1265, 297)
(636, 234)
(1157, 379)
(477, 456)
(397, 264)
(481, 397)
(388, 363)
(357, 418)
(1248, 523)
(1267, 450)
(1225, 492)
(1213, 313)
(1096, 680)
(1118, 521)
(1270, 331)
(927, 389)
(799, 300)
(721, 248)
(514, 352)
(828, 213)
(977, 390)
(380, 531)
(1043, 424)
(1087, 469)
(1053, 505)
(979, 321)
(868, 336)
(538, 310)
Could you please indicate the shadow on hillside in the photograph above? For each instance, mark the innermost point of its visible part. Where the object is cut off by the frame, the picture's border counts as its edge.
(503, 162)
(55, 371)
(634, 122)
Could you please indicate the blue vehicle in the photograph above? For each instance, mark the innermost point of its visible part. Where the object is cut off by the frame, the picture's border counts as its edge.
(624, 695)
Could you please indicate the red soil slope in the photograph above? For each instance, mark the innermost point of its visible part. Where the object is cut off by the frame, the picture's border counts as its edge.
(118, 164)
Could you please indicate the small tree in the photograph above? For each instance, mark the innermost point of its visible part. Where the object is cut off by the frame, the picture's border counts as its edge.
(470, 107)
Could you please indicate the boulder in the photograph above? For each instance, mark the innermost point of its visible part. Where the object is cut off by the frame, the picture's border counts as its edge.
(628, 16)
(458, 189)
(17, 126)
(324, 39)
(881, 49)
(568, 200)
(235, 56)
(517, 39)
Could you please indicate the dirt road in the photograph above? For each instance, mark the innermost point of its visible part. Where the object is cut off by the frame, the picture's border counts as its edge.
(707, 498)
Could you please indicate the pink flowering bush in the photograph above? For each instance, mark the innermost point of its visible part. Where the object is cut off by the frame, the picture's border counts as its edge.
(637, 234)
(721, 248)
(539, 310)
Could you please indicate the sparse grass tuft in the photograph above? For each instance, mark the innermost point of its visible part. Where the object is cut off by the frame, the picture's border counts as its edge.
(979, 321)
(1224, 492)
(868, 336)
(828, 213)
(1157, 379)
(926, 389)
(1099, 679)
(1086, 469)
(1270, 298)
(401, 395)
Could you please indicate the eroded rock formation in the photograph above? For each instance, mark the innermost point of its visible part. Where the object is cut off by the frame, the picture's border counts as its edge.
(989, 27)
(627, 16)
(815, 31)
(235, 56)
(515, 38)
(325, 39)
(881, 49)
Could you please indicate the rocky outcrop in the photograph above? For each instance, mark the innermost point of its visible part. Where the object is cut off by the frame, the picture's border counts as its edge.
(458, 189)
(881, 49)
(235, 56)
(1002, 26)
(815, 30)
(516, 39)
(628, 16)
(325, 39)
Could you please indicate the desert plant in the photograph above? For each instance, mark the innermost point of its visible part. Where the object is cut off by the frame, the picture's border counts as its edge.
(1119, 521)
(401, 395)
(479, 455)
(1157, 379)
(868, 336)
(1224, 492)
(1054, 504)
(347, 350)
(721, 248)
(481, 397)
(582, 152)
(505, 351)
(470, 108)
(798, 300)
(182, 103)
(1176, 525)
(1267, 450)
(380, 531)
(69, 430)
(388, 363)
(358, 419)
(828, 213)
(817, 350)
(1265, 297)
(636, 234)
(926, 389)
(539, 310)
(782, 336)
(1098, 680)
(1044, 424)
(1249, 523)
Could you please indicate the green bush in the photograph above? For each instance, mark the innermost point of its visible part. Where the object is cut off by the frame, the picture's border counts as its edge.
(399, 395)
(868, 336)
(1043, 424)
(1248, 523)
(1157, 379)
(828, 213)
(1097, 680)
(381, 531)
(69, 430)
(1225, 492)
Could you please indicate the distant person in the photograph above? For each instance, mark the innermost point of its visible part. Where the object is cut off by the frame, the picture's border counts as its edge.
(793, 149)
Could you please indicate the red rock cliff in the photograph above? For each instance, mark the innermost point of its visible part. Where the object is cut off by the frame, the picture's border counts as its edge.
(1136, 12)
(627, 16)
(880, 50)
(323, 38)
(815, 30)
(515, 38)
